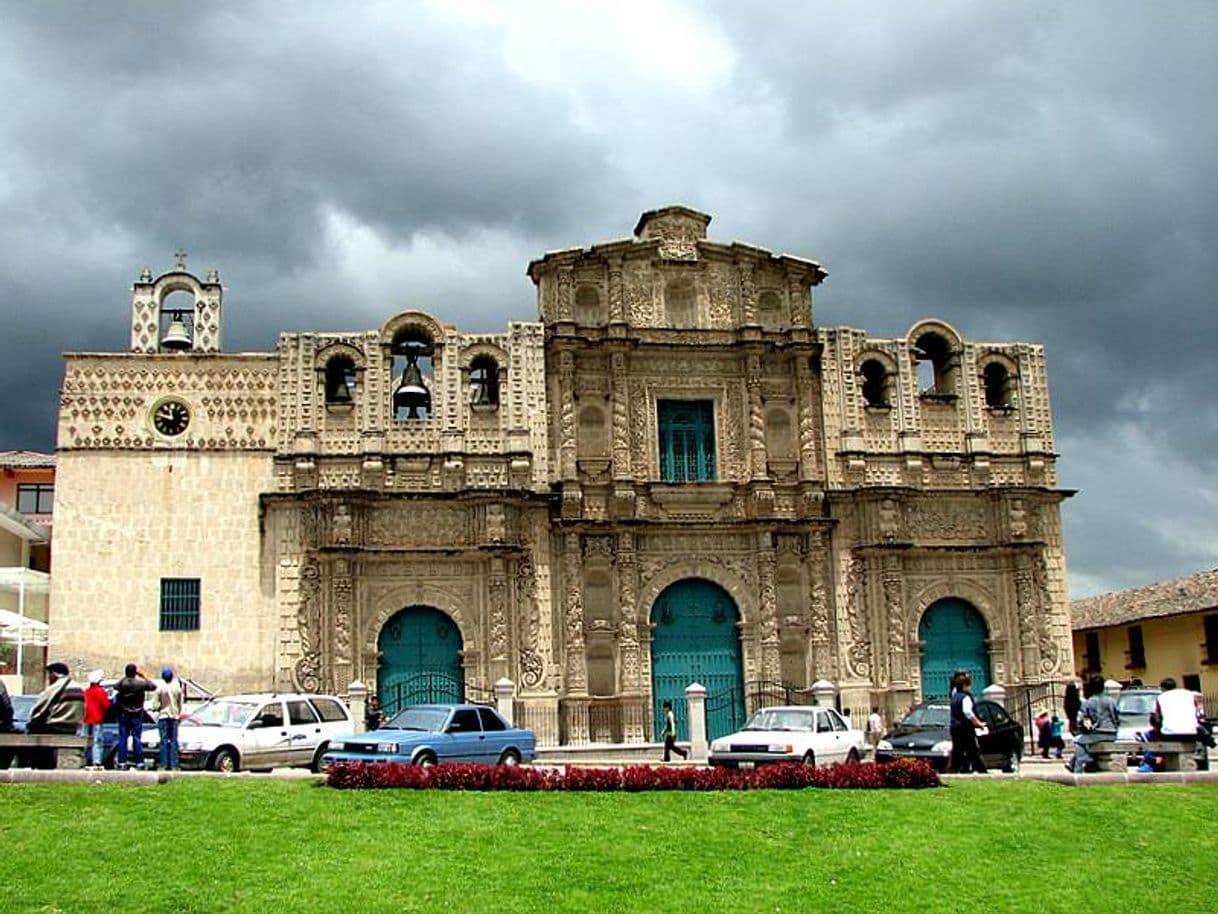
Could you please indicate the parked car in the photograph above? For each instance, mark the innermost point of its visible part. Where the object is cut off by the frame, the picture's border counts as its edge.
(261, 731)
(1135, 706)
(428, 734)
(924, 733)
(813, 736)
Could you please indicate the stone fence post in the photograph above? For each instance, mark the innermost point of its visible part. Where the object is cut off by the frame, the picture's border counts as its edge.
(996, 694)
(505, 689)
(695, 702)
(823, 693)
(357, 696)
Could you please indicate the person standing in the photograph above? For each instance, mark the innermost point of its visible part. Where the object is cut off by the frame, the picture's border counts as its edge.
(129, 693)
(168, 706)
(97, 703)
(6, 723)
(1097, 722)
(964, 724)
(1072, 704)
(373, 715)
(670, 734)
(875, 729)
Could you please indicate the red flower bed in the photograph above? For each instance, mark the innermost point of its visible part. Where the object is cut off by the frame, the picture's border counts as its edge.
(904, 773)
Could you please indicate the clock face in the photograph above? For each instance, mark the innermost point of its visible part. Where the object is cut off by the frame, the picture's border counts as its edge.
(171, 417)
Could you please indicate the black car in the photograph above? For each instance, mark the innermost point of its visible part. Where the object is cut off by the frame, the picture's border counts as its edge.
(924, 733)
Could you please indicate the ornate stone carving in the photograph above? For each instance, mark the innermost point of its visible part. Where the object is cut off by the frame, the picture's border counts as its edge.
(306, 673)
(496, 587)
(574, 615)
(419, 525)
(858, 649)
(890, 519)
(950, 521)
(894, 609)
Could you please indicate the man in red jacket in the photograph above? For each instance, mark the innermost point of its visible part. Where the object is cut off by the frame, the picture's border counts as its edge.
(97, 703)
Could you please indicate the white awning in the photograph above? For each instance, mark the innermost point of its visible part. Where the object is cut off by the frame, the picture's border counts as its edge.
(14, 579)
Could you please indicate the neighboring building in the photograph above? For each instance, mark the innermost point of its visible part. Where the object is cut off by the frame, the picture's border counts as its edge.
(1164, 629)
(27, 493)
(673, 476)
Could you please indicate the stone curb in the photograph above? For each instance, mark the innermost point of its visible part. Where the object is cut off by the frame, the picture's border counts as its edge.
(142, 778)
(1091, 780)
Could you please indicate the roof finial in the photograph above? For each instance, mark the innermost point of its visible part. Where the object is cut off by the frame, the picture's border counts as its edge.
(181, 258)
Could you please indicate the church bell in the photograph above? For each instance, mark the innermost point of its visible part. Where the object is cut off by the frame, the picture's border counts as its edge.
(411, 394)
(177, 337)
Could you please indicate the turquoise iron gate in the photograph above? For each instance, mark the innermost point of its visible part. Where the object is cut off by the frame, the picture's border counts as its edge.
(694, 639)
(420, 660)
(954, 634)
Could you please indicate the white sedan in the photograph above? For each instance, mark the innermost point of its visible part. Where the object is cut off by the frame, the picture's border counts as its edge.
(813, 736)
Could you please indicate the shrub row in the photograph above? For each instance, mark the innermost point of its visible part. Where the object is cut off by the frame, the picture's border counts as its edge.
(904, 773)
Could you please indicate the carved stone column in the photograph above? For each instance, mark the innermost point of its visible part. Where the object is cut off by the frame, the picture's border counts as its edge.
(757, 450)
(748, 293)
(771, 662)
(892, 582)
(1026, 609)
(857, 645)
(532, 664)
(617, 311)
(805, 394)
(565, 312)
(621, 416)
(306, 672)
(340, 647)
(824, 665)
(496, 586)
(799, 302)
(626, 565)
(577, 675)
(566, 415)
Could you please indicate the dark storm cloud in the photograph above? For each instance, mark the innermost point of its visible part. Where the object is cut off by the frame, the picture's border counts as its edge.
(1036, 171)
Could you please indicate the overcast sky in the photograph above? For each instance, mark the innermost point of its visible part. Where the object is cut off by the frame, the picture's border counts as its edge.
(1031, 171)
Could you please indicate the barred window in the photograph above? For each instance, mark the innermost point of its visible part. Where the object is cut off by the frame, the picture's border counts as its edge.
(35, 497)
(179, 604)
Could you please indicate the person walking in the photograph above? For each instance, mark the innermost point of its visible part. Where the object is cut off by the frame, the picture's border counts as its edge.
(963, 726)
(129, 693)
(875, 730)
(670, 734)
(97, 703)
(167, 703)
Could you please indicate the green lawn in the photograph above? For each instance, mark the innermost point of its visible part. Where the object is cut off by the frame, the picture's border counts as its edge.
(270, 846)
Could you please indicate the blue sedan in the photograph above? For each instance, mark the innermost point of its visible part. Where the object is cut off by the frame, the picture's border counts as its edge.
(428, 734)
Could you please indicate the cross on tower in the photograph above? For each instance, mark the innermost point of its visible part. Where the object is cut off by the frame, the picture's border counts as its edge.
(181, 258)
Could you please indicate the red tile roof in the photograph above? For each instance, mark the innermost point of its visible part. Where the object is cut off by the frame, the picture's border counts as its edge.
(1192, 593)
(26, 459)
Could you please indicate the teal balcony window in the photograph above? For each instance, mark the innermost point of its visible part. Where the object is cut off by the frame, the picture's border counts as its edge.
(687, 440)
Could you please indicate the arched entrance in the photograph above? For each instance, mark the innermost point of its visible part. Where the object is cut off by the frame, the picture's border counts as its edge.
(694, 639)
(420, 660)
(953, 634)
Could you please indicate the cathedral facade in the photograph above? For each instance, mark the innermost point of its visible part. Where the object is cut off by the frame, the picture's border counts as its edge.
(674, 475)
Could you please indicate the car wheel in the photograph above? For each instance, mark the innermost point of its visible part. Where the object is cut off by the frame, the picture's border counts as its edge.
(321, 750)
(1010, 764)
(809, 759)
(852, 757)
(510, 757)
(224, 760)
(426, 760)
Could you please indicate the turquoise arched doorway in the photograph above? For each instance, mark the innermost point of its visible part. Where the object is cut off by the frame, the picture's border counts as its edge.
(954, 637)
(694, 638)
(420, 660)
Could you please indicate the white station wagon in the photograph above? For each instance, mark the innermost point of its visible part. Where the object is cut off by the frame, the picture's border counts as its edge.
(261, 731)
(813, 736)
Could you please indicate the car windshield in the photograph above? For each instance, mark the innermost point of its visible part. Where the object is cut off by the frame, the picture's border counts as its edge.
(780, 720)
(222, 712)
(927, 716)
(1142, 703)
(429, 720)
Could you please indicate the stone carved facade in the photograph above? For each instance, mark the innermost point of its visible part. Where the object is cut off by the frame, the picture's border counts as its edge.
(851, 483)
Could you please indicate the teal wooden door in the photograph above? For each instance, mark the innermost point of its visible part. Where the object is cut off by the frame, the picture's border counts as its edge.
(420, 660)
(695, 639)
(687, 440)
(954, 635)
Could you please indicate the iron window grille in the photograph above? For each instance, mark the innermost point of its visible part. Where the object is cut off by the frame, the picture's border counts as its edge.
(179, 604)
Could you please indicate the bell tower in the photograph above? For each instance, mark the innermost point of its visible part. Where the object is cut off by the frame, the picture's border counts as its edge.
(158, 325)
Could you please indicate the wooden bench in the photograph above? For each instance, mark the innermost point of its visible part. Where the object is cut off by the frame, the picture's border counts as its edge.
(66, 749)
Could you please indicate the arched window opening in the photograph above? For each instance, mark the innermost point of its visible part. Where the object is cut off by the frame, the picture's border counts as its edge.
(877, 384)
(769, 310)
(413, 374)
(340, 381)
(592, 440)
(177, 322)
(936, 366)
(680, 303)
(999, 387)
(484, 381)
(588, 309)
